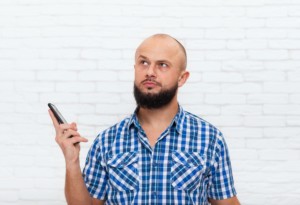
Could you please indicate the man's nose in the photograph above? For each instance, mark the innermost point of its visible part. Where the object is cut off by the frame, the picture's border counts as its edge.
(151, 72)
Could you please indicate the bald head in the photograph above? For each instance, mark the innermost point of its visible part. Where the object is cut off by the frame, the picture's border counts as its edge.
(164, 40)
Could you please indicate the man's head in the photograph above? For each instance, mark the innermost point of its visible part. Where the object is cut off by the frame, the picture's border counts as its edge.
(160, 68)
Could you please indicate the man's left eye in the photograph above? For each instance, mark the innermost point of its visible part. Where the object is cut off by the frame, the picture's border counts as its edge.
(163, 65)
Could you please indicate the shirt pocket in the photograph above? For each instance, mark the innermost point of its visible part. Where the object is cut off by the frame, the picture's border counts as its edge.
(187, 170)
(123, 171)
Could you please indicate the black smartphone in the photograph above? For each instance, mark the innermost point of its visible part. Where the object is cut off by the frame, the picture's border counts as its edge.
(57, 114)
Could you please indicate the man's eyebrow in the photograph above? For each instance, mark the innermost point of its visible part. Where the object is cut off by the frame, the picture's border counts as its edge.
(141, 56)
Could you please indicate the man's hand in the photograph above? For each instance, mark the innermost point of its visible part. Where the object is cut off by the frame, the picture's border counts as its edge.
(68, 139)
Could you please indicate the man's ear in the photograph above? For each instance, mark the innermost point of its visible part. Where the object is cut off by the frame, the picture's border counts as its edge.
(183, 78)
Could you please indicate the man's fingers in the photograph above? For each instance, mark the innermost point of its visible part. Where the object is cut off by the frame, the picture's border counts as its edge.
(70, 133)
(54, 121)
(77, 139)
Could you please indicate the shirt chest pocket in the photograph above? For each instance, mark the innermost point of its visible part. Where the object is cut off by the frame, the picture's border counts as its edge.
(187, 170)
(123, 171)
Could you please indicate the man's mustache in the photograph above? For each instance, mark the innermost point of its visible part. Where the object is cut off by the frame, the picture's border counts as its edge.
(151, 80)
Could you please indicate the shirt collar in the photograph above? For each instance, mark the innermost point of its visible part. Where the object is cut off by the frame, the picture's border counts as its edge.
(178, 120)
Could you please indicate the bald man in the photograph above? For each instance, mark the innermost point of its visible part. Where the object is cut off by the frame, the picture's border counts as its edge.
(161, 154)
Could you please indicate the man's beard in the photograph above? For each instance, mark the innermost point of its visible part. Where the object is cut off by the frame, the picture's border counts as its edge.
(154, 101)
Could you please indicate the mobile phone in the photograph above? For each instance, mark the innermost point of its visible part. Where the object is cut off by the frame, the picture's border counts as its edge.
(57, 114)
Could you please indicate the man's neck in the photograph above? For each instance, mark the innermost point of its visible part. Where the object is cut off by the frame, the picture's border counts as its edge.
(161, 116)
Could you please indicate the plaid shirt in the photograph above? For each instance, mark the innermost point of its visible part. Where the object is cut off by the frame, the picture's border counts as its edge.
(189, 164)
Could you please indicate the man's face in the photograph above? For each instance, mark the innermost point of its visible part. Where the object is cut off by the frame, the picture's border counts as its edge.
(158, 67)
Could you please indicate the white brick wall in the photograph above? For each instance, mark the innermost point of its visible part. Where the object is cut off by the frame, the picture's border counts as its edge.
(244, 60)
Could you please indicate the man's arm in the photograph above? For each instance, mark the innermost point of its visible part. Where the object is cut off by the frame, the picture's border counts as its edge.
(68, 139)
(231, 201)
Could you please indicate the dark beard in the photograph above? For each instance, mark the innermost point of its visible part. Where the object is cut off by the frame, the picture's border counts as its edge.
(153, 101)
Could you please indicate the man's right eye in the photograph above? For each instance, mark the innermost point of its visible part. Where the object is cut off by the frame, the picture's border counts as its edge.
(144, 62)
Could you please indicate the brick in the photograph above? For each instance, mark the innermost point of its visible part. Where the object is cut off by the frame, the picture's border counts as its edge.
(194, 66)
(201, 87)
(284, 44)
(6, 86)
(288, 22)
(264, 121)
(247, 44)
(225, 33)
(262, 143)
(293, 10)
(267, 33)
(59, 53)
(282, 109)
(282, 132)
(266, 98)
(267, 11)
(114, 109)
(281, 87)
(268, 54)
(282, 154)
(203, 109)
(225, 55)
(35, 64)
(34, 86)
(222, 77)
(241, 88)
(243, 132)
(98, 75)
(244, 154)
(8, 196)
(225, 99)
(242, 110)
(204, 22)
(101, 54)
(96, 119)
(99, 98)
(288, 65)
(115, 87)
(76, 65)
(242, 65)
(189, 98)
(75, 87)
(295, 98)
(243, 22)
(265, 76)
(294, 54)
(127, 76)
(206, 44)
(57, 75)
(243, 3)
(226, 121)
(17, 75)
(58, 97)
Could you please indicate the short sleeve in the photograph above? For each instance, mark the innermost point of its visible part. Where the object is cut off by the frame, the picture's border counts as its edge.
(221, 184)
(94, 172)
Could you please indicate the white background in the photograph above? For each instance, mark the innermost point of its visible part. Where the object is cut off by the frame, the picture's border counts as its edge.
(244, 60)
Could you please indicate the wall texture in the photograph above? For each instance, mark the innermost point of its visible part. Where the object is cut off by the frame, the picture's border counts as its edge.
(244, 60)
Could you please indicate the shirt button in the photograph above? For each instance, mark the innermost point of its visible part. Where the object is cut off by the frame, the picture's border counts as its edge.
(154, 194)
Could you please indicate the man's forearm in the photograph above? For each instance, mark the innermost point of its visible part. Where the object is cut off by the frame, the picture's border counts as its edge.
(75, 188)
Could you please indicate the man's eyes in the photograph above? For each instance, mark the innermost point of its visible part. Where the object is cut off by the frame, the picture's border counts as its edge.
(163, 65)
(144, 62)
(160, 65)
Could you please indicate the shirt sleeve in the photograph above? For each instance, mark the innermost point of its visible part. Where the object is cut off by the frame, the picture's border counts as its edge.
(221, 184)
(94, 172)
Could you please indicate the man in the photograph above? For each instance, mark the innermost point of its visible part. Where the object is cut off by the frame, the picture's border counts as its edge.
(159, 155)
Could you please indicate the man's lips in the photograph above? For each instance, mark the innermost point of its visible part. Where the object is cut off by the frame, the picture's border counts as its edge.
(150, 83)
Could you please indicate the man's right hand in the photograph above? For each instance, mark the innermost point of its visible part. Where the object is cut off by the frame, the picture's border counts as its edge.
(68, 139)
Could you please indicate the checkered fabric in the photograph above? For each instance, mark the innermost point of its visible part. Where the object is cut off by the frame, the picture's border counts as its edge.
(188, 164)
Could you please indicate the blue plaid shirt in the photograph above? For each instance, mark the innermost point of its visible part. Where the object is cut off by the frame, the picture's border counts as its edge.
(189, 164)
